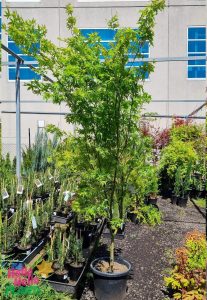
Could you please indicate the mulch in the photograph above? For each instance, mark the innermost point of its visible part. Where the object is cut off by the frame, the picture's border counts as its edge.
(150, 250)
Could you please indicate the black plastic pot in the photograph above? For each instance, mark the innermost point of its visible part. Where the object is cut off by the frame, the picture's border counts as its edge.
(182, 201)
(174, 199)
(61, 276)
(75, 271)
(132, 217)
(152, 201)
(110, 286)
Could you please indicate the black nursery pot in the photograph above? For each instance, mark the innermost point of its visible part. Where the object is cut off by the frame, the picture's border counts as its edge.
(152, 201)
(110, 286)
(174, 199)
(182, 201)
(61, 275)
(75, 271)
(132, 217)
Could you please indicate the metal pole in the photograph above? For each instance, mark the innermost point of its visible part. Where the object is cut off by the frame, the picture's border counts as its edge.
(18, 124)
(29, 138)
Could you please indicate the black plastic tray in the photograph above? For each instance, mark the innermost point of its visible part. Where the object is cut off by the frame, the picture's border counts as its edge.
(23, 258)
(73, 287)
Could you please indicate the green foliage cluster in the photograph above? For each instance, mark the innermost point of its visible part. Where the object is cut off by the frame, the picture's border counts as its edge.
(46, 292)
(188, 278)
(148, 214)
(103, 96)
(186, 150)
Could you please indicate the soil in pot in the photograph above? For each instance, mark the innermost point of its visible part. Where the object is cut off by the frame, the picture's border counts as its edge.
(110, 286)
(26, 249)
(61, 275)
(75, 271)
(56, 265)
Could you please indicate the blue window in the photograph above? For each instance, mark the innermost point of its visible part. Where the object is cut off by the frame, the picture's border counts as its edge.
(197, 47)
(107, 37)
(25, 72)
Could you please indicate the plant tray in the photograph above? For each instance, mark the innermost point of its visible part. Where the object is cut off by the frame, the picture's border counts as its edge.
(23, 258)
(62, 220)
(74, 287)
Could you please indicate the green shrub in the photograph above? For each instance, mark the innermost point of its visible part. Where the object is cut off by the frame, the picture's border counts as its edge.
(188, 278)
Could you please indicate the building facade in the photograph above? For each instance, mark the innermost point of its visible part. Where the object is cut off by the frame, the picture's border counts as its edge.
(177, 87)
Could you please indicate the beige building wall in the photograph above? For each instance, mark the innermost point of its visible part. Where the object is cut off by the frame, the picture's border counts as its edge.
(172, 93)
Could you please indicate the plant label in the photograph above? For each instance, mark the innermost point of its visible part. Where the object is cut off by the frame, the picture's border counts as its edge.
(38, 183)
(34, 223)
(65, 277)
(5, 194)
(54, 213)
(20, 190)
(27, 204)
(66, 195)
(11, 210)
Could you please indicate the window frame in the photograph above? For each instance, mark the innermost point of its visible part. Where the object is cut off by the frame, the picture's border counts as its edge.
(204, 53)
(14, 66)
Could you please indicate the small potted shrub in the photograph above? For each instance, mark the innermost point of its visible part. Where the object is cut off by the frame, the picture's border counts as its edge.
(62, 250)
(185, 187)
(177, 187)
(75, 257)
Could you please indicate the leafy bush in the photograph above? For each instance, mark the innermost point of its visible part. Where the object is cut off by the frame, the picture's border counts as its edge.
(188, 278)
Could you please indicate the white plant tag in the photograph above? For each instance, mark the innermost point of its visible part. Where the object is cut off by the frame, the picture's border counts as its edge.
(50, 176)
(54, 213)
(65, 277)
(12, 210)
(34, 223)
(66, 195)
(5, 194)
(28, 252)
(38, 183)
(27, 204)
(20, 190)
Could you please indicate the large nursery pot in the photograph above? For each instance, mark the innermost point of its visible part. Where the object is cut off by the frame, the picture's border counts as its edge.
(110, 286)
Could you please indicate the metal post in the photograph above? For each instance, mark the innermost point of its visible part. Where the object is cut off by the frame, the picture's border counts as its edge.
(29, 139)
(18, 123)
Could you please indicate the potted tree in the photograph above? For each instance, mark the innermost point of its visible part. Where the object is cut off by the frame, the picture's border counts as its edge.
(105, 98)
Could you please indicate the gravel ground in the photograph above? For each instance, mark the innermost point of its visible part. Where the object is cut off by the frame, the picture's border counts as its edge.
(149, 250)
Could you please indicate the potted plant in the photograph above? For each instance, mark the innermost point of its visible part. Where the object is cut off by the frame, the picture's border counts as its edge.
(152, 185)
(7, 239)
(185, 187)
(105, 98)
(177, 186)
(75, 257)
(25, 243)
(62, 246)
